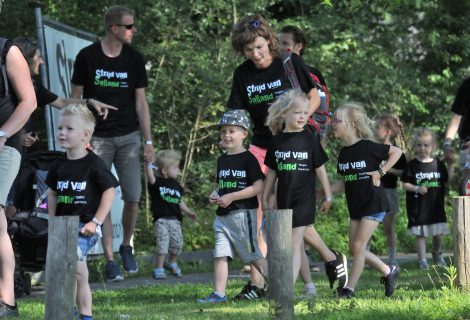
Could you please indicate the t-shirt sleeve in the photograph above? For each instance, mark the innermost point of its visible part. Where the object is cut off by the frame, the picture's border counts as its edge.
(254, 172)
(141, 80)
(303, 73)
(319, 155)
(270, 159)
(43, 95)
(79, 69)
(461, 103)
(51, 178)
(235, 100)
(401, 163)
(407, 175)
(103, 177)
(379, 151)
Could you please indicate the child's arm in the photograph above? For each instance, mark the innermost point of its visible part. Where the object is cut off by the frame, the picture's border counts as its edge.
(414, 188)
(150, 176)
(51, 202)
(251, 191)
(185, 209)
(393, 155)
(325, 183)
(269, 182)
(103, 210)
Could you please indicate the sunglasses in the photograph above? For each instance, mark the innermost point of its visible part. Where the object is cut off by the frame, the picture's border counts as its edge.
(127, 26)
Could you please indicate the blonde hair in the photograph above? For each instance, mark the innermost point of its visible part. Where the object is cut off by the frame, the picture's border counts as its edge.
(82, 112)
(422, 132)
(354, 118)
(167, 157)
(275, 119)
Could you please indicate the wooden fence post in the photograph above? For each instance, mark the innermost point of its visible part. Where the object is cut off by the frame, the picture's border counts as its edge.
(461, 232)
(61, 265)
(280, 285)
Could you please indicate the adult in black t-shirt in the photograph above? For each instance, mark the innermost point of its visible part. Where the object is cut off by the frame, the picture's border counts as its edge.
(112, 71)
(460, 122)
(15, 82)
(259, 80)
(29, 48)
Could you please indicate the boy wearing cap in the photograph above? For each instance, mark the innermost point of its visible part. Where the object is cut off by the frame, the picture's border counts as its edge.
(239, 180)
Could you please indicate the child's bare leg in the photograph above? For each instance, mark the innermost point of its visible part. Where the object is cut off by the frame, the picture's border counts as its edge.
(297, 250)
(83, 297)
(305, 269)
(160, 260)
(389, 231)
(261, 266)
(313, 239)
(437, 244)
(172, 258)
(359, 234)
(220, 274)
(421, 247)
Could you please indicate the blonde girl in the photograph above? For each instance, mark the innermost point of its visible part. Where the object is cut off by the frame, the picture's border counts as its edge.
(362, 163)
(294, 157)
(424, 180)
(387, 129)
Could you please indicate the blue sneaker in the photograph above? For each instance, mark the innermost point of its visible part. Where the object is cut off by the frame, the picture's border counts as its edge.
(128, 260)
(174, 269)
(159, 274)
(213, 298)
(112, 272)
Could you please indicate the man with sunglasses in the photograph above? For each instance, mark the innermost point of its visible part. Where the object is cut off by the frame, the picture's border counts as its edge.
(112, 71)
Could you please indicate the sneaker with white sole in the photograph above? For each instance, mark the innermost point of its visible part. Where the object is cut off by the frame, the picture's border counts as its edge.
(112, 272)
(158, 274)
(174, 269)
(346, 293)
(250, 292)
(213, 298)
(390, 281)
(337, 270)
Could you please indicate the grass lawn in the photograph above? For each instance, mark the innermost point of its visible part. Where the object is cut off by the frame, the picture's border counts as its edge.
(420, 295)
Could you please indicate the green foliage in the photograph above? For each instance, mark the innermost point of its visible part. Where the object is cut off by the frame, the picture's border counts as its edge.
(401, 56)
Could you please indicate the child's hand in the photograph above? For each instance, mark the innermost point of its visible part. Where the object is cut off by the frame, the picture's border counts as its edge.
(326, 205)
(192, 216)
(225, 200)
(88, 229)
(375, 177)
(422, 190)
(213, 197)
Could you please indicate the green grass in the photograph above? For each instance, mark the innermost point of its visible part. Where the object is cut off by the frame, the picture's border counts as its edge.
(420, 295)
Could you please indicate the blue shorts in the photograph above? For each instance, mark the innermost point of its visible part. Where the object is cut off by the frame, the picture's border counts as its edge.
(379, 217)
(85, 244)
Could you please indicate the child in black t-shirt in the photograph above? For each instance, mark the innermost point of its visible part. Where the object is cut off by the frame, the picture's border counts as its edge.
(80, 184)
(424, 180)
(167, 208)
(295, 157)
(360, 162)
(387, 129)
(240, 181)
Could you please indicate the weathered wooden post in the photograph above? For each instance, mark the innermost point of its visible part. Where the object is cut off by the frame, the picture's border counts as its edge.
(461, 232)
(61, 265)
(280, 285)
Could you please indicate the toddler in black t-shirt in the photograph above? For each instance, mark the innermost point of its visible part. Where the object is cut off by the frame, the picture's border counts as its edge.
(80, 184)
(167, 208)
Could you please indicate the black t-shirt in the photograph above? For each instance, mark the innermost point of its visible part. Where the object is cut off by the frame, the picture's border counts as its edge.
(295, 156)
(165, 196)
(236, 172)
(425, 209)
(43, 98)
(362, 197)
(255, 89)
(112, 81)
(461, 106)
(390, 180)
(79, 185)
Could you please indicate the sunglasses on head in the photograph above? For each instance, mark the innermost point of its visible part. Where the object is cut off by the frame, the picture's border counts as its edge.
(127, 26)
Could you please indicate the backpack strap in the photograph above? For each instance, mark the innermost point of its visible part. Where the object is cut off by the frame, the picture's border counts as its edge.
(3, 41)
(286, 57)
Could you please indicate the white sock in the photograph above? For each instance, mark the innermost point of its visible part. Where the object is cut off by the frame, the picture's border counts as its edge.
(310, 288)
(220, 294)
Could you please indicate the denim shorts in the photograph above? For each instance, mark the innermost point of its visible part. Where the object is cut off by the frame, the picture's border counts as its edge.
(379, 217)
(10, 160)
(85, 244)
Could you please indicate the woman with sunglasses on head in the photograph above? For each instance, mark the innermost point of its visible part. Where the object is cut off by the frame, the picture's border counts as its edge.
(257, 83)
(17, 102)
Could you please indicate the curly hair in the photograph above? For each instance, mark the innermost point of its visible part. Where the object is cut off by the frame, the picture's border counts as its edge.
(251, 27)
(275, 119)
